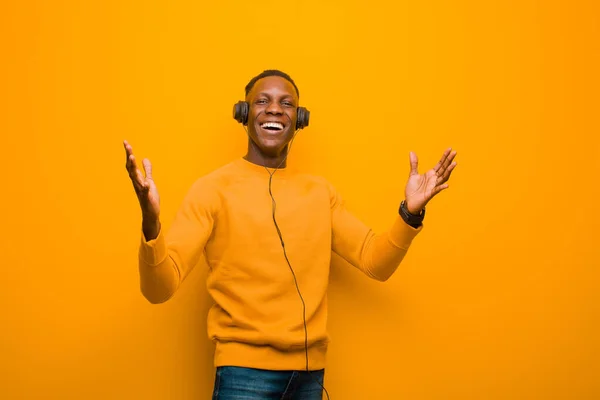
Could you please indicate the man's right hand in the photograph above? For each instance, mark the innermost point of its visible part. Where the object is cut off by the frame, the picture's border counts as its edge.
(146, 191)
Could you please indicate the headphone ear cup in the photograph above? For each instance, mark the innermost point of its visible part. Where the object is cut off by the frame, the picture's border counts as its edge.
(303, 116)
(240, 112)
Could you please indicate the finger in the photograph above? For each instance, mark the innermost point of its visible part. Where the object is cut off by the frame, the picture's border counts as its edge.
(147, 168)
(135, 174)
(131, 164)
(128, 149)
(442, 160)
(414, 164)
(440, 188)
(449, 159)
(447, 162)
(446, 175)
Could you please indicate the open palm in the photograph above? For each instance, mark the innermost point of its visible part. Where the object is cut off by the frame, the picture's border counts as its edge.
(420, 189)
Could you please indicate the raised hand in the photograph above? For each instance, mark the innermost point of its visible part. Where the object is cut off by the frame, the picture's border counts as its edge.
(144, 187)
(420, 189)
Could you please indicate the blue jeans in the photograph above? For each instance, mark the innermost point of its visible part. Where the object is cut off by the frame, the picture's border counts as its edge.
(239, 383)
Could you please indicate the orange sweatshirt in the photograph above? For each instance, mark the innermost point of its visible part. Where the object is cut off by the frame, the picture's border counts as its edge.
(256, 320)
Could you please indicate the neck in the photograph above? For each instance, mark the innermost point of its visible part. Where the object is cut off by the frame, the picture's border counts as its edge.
(255, 156)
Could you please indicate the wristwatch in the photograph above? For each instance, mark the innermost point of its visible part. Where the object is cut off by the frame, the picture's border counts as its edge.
(411, 219)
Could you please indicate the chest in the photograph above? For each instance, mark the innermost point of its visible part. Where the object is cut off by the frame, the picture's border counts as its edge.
(251, 215)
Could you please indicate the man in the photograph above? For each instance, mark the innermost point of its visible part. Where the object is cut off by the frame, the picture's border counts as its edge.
(267, 233)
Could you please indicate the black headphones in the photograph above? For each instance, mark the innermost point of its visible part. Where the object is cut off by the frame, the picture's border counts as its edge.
(242, 108)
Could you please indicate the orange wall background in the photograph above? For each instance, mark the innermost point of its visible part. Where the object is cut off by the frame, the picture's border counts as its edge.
(498, 298)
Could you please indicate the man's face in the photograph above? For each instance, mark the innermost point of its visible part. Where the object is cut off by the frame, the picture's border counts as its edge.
(272, 117)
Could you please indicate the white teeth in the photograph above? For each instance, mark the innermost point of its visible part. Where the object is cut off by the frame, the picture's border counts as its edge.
(275, 125)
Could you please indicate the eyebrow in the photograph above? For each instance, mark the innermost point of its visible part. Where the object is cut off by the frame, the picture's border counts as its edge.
(268, 95)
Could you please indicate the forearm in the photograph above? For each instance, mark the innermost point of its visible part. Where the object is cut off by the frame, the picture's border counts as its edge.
(383, 253)
(158, 283)
(165, 259)
(159, 275)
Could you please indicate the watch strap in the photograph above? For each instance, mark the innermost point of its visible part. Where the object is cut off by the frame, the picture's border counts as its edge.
(411, 219)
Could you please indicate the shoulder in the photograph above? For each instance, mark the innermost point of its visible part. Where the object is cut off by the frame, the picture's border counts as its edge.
(221, 177)
(206, 189)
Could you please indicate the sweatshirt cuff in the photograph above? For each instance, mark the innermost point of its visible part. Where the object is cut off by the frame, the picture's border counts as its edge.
(402, 234)
(153, 252)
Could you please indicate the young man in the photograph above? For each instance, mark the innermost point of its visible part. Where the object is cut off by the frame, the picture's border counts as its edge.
(267, 233)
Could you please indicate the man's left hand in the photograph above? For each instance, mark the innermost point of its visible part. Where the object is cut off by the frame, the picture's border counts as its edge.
(420, 189)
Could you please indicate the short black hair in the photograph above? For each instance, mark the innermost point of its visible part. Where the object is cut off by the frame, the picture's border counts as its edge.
(270, 72)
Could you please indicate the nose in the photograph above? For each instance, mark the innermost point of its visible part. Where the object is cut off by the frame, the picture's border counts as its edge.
(274, 108)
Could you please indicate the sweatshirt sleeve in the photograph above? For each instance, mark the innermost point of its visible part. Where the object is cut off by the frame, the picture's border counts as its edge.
(378, 255)
(164, 262)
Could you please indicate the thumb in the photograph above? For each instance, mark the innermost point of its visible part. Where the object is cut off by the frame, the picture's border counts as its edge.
(147, 168)
(414, 164)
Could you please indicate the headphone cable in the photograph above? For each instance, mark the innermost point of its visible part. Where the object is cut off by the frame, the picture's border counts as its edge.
(274, 207)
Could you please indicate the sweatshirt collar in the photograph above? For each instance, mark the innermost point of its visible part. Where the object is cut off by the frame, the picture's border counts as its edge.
(249, 166)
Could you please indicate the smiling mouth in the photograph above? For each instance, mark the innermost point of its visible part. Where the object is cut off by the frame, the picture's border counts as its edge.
(272, 127)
